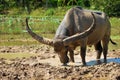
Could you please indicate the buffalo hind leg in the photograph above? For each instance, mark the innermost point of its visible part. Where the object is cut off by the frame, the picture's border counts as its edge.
(83, 54)
(105, 42)
(98, 49)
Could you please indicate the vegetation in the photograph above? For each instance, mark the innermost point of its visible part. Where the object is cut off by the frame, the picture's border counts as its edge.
(15, 56)
(12, 29)
(111, 7)
(45, 17)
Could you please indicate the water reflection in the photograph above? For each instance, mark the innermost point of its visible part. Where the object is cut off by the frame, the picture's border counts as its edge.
(93, 62)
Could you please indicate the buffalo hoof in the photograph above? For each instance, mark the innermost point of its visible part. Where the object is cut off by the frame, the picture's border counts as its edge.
(84, 65)
(98, 62)
(64, 64)
(105, 61)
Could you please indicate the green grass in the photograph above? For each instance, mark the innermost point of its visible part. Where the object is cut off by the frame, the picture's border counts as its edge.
(58, 11)
(12, 29)
(16, 55)
(16, 24)
(115, 47)
(115, 29)
(20, 39)
(115, 32)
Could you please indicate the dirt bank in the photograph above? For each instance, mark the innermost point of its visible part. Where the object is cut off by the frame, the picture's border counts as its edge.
(46, 65)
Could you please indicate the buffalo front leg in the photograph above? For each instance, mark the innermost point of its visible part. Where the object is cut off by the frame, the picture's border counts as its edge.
(83, 54)
(98, 49)
(71, 54)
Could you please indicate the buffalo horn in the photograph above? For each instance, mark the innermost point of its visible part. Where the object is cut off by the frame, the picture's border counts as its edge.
(37, 37)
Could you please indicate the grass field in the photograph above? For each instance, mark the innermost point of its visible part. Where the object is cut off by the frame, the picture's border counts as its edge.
(16, 55)
(12, 29)
(12, 32)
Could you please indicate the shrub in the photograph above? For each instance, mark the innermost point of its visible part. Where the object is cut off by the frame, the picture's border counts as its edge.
(111, 7)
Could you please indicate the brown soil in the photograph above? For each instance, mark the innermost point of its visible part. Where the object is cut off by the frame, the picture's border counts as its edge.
(46, 66)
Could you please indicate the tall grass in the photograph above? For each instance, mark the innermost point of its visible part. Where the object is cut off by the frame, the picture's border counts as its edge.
(46, 24)
(16, 24)
(13, 32)
(10, 25)
(115, 27)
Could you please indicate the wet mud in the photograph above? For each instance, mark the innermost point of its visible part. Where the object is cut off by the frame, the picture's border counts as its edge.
(46, 65)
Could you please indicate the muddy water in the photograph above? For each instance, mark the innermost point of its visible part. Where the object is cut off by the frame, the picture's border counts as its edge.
(46, 65)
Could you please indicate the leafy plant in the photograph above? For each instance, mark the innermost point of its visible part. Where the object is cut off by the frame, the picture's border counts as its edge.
(49, 12)
(111, 7)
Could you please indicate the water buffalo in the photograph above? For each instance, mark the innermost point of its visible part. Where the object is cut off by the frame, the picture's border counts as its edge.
(79, 27)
